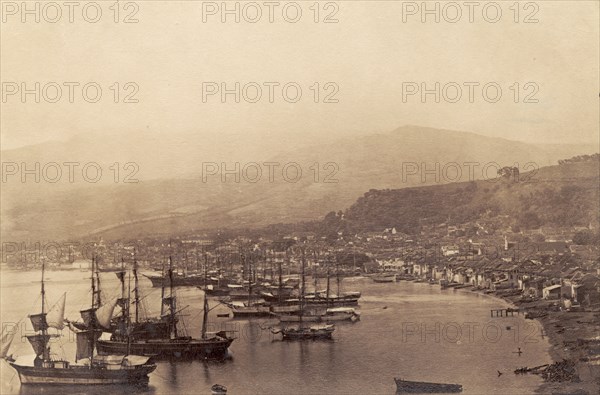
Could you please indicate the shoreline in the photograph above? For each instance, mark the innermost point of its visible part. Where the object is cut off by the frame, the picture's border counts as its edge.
(563, 329)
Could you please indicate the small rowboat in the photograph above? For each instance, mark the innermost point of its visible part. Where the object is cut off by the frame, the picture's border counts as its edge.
(218, 389)
(421, 387)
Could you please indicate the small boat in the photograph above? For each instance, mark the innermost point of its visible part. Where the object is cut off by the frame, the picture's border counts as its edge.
(384, 278)
(218, 389)
(421, 387)
(313, 332)
(341, 314)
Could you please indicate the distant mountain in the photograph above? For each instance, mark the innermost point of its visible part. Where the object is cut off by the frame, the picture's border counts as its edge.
(172, 197)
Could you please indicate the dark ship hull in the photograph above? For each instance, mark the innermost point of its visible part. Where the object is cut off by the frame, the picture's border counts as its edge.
(308, 333)
(413, 387)
(216, 348)
(178, 281)
(74, 375)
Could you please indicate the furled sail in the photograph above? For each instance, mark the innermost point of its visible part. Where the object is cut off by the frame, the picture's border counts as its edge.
(123, 302)
(38, 342)
(56, 315)
(120, 275)
(39, 322)
(85, 346)
(105, 313)
(89, 317)
(6, 339)
(85, 343)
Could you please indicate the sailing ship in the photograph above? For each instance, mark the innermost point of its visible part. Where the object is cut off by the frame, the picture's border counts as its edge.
(321, 314)
(252, 307)
(302, 331)
(46, 368)
(100, 312)
(208, 346)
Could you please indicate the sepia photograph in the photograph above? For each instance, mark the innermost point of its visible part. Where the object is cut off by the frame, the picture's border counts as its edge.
(240, 197)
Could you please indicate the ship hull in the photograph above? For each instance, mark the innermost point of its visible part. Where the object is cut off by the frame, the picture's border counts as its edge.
(190, 281)
(320, 334)
(192, 349)
(413, 387)
(75, 375)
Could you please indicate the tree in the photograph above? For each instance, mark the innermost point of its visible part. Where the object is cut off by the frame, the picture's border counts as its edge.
(585, 237)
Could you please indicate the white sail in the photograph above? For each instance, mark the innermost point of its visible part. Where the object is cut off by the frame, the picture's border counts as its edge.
(6, 339)
(56, 315)
(105, 313)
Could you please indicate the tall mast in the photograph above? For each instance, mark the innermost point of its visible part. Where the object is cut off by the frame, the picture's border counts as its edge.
(128, 316)
(303, 287)
(172, 298)
(162, 290)
(316, 281)
(45, 354)
(249, 280)
(337, 271)
(136, 293)
(280, 282)
(93, 326)
(205, 312)
(98, 296)
(122, 279)
(327, 296)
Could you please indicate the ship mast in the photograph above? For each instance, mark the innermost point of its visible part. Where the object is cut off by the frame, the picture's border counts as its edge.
(205, 312)
(280, 282)
(303, 287)
(136, 293)
(172, 298)
(316, 279)
(93, 325)
(45, 354)
(327, 295)
(128, 316)
(162, 289)
(337, 271)
(249, 280)
(97, 272)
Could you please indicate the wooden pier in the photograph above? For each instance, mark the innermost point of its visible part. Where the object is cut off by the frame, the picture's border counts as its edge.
(504, 312)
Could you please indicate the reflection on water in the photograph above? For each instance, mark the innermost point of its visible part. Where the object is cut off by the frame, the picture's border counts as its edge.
(408, 330)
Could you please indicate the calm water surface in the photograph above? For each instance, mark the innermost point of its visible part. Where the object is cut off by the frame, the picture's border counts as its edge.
(410, 330)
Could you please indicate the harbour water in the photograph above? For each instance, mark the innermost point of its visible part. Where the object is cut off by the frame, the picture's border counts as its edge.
(414, 331)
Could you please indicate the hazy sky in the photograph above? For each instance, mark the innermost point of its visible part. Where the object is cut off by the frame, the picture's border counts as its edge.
(368, 56)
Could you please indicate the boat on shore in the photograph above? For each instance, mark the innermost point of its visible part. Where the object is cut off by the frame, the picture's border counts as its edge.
(422, 387)
(218, 389)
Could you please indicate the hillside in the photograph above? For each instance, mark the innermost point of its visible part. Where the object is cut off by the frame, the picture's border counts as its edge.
(172, 198)
(565, 195)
